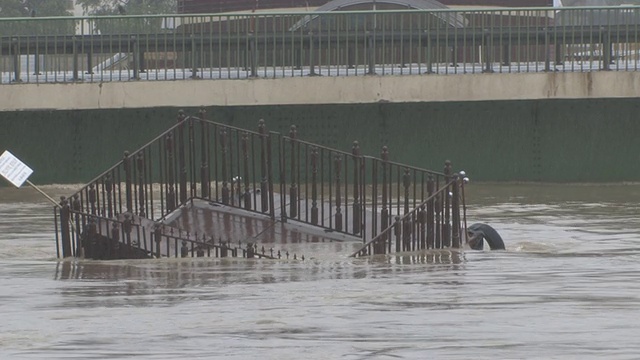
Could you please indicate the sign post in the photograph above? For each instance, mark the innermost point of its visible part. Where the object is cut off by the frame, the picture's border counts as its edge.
(17, 173)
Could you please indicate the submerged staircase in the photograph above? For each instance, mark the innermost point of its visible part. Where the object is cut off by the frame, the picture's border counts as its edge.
(206, 189)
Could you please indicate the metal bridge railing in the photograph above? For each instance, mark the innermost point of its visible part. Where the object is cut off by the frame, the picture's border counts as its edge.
(339, 43)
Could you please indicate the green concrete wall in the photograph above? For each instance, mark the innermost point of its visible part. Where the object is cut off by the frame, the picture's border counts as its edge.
(531, 140)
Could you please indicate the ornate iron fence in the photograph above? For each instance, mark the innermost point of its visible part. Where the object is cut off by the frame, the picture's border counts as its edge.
(262, 172)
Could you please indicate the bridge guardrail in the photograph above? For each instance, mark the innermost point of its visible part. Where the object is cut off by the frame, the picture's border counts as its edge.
(339, 43)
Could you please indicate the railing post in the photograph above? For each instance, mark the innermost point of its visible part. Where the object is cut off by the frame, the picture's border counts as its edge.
(253, 54)
(141, 197)
(16, 59)
(204, 157)
(127, 227)
(371, 56)
(454, 53)
(446, 228)
(430, 213)
(191, 167)
(264, 198)
(293, 189)
(422, 219)
(559, 55)
(77, 208)
(171, 193)
(93, 198)
(108, 184)
(397, 229)
(225, 178)
(157, 237)
(406, 224)
(181, 158)
(314, 185)
(357, 208)
(606, 50)
(338, 215)
(547, 51)
(384, 213)
(127, 171)
(506, 54)
(194, 56)
(429, 53)
(76, 63)
(36, 60)
(245, 154)
(272, 210)
(89, 60)
(455, 205)
(135, 55)
(487, 53)
(65, 217)
(312, 59)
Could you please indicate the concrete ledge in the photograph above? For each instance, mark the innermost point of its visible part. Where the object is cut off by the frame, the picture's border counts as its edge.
(320, 90)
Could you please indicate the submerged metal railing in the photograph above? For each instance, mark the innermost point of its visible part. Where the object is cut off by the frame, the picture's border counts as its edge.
(281, 177)
(124, 238)
(340, 43)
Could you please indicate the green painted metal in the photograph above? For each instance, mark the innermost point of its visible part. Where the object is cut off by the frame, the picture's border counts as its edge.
(592, 140)
(339, 43)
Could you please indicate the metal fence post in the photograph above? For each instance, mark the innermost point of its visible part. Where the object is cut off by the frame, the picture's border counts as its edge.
(194, 55)
(171, 192)
(606, 50)
(127, 172)
(357, 209)
(487, 53)
(314, 185)
(65, 215)
(371, 54)
(245, 155)
(141, 192)
(446, 227)
(135, 55)
(253, 54)
(182, 164)
(338, 215)
(264, 198)
(204, 156)
(455, 204)
(385, 221)
(312, 58)
(293, 188)
(76, 64)
(16, 59)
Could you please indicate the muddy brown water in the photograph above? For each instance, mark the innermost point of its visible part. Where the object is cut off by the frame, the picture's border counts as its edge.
(566, 288)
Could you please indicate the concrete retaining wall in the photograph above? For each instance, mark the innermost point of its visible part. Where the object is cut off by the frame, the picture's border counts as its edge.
(320, 90)
(518, 140)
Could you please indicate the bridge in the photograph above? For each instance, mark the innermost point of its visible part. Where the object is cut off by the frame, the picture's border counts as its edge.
(439, 41)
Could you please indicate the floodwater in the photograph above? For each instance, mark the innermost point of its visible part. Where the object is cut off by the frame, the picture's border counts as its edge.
(566, 288)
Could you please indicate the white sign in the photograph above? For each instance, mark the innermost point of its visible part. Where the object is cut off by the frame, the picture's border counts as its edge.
(14, 170)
